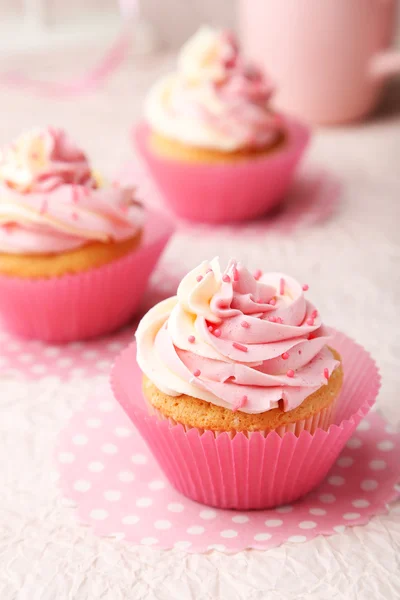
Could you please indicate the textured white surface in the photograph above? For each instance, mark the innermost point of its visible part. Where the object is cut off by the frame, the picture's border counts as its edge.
(352, 267)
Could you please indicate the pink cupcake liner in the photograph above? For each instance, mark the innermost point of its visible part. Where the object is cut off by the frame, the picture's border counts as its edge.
(219, 193)
(250, 472)
(82, 306)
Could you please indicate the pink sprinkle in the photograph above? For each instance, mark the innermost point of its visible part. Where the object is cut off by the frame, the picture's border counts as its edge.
(75, 194)
(326, 373)
(43, 207)
(226, 278)
(197, 373)
(257, 274)
(305, 287)
(191, 339)
(279, 320)
(310, 321)
(235, 274)
(243, 400)
(290, 373)
(272, 319)
(282, 286)
(285, 356)
(217, 332)
(239, 347)
(210, 328)
(314, 314)
(75, 216)
(272, 302)
(245, 324)
(209, 271)
(199, 277)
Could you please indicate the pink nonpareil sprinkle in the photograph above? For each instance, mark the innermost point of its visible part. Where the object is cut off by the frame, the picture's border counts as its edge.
(281, 286)
(285, 356)
(257, 274)
(242, 402)
(210, 328)
(272, 302)
(245, 324)
(240, 347)
(197, 373)
(305, 287)
(310, 321)
(272, 319)
(226, 279)
(314, 314)
(290, 373)
(279, 320)
(191, 339)
(199, 277)
(217, 332)
(326, 373)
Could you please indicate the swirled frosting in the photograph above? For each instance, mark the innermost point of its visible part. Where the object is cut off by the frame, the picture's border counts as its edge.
(213, 100)
(41, 160)
(50, 202)
(240, 341)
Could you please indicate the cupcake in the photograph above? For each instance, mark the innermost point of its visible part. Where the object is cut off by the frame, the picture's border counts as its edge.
(67, 239)
(212, 138)
(236, 352)
(242, 394)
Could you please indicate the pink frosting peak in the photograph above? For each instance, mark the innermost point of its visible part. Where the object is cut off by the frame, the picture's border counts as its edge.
(258, 338)
(215, 99)
(42, 160)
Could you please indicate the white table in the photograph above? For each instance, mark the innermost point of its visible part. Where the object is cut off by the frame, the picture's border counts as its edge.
(352, 266)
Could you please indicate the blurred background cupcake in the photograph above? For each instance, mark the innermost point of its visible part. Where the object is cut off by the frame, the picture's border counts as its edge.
(212, 135)
(67, 240)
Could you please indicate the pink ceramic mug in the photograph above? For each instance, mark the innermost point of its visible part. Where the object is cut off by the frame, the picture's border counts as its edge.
(328, 58)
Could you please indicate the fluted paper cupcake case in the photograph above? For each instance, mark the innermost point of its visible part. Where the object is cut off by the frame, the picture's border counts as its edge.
(220, 193)
(257, 471)
(88, 304)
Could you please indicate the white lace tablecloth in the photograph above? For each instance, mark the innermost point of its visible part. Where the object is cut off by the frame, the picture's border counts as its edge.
(352, 266)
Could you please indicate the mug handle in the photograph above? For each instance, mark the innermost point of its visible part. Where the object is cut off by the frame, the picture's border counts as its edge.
(385, 64)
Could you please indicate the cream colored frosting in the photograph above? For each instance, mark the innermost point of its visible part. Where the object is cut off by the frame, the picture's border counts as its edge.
(236, 340)
(213, 100)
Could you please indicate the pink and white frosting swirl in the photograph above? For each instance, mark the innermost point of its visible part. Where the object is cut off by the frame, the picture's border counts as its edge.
(237, 340)
(214, 100)
(50, 201)
(41, 160)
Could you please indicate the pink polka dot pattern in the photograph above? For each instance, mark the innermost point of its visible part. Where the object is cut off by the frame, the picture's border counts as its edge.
(33, 360)
(125, 491)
